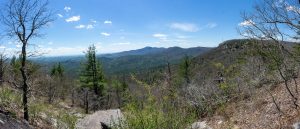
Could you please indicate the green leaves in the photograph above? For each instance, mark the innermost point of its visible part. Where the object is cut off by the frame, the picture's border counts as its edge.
(91, 74)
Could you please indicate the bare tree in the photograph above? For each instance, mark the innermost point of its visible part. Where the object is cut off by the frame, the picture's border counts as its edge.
(23, 20)
(3, 60)
(275, 21)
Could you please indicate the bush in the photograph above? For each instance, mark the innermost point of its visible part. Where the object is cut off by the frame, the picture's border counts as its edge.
(66, 120)
(9, 99)
(151, 111)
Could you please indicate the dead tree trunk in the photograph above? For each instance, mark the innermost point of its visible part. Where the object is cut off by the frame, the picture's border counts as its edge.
(25, 84)
(86, 100)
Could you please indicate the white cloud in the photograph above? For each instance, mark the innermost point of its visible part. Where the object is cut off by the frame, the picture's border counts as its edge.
(80, 26)
(73, 19)
(62, 50)
(293, 8)
(211, 25)
(93, 21)
(60, 15)
(107, 22)
(188, 27)
(89, 26)
(2, 47)
(122, 43)
(67, 9)
(105, 34)
(182, 37)
(159, 35)
(246, 23)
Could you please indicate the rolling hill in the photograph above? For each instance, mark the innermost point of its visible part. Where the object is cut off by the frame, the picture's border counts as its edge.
(127, 61)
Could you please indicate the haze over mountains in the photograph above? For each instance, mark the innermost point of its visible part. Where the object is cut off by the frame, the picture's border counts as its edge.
(128, 61)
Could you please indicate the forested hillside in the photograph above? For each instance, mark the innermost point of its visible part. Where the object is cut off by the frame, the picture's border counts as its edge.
(248, 82)
(127, 62)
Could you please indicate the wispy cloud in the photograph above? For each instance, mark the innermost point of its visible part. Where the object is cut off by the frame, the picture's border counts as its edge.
(80, 26)
(187, 27)
(122, 43)
(67, 9)
(73, 19)
(107, 22)
(105, 34)
(89, 26)
(60, 15)
(160, 36)
(211, 25)
(93, 21)
(293, 8)
(246, 23)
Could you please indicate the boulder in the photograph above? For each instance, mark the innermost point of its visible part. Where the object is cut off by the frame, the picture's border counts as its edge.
(100, 120)
(8, 122)
(297, 125)
(199, 125)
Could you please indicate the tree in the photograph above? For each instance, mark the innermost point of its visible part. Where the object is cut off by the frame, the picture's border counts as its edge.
(23, 20)
(3, 60)
(185, 67)
(120, 89)
(56, 82)
(275, 21)
(91, 76)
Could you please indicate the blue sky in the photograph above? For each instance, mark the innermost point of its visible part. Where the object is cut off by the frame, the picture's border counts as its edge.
(118, 25)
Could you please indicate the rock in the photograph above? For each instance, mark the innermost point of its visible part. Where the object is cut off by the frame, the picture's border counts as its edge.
(8, 122)
(236, 127)
(100, 119)
(297, 125)
(220, 122)
(200, 125)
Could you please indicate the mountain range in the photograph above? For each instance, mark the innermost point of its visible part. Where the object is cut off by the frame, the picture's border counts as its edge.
(128, 61)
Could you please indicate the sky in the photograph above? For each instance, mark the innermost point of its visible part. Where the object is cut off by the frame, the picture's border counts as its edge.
(120, 25)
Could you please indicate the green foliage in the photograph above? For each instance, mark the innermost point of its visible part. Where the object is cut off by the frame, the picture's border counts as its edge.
(35, 109)
(57, 70)
(185, 69)
(91, 75)
(151, 112)
(66, 120)
(9, 99)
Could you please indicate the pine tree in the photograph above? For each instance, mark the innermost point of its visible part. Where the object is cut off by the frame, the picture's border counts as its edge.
(91, 76)
(57, 85)
(185, 67)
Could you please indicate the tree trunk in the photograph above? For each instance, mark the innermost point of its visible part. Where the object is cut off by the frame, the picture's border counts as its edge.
(1, 69)
(86, 101)
(25, 85)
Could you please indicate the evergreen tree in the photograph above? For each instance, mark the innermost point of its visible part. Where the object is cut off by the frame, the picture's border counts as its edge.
(57, 86)
(185, 67)
(91, 75)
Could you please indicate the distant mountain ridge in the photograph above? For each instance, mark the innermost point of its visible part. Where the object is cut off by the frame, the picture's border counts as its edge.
(127, 61)
(142, 51)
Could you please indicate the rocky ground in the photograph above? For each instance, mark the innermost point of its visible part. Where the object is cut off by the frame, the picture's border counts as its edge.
(8, 122)
(259, 112)
(100, 119)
